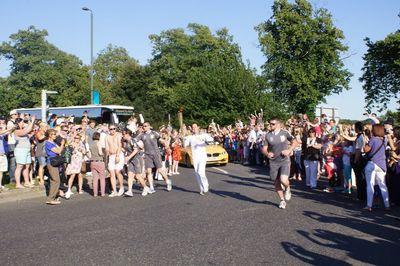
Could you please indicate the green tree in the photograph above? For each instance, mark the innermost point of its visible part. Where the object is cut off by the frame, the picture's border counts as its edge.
(381, 77)
(109, 66)
(302, 49)
(35, 65)
(204, 74)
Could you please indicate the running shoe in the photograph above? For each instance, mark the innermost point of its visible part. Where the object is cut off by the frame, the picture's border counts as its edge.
(145, 191)
(282, 204)
(113, 194)
(169, 185)
(288, 194)
(129, 194)
(121, 192)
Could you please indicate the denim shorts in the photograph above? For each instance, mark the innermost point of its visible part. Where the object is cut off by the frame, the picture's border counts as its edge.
(41, 160)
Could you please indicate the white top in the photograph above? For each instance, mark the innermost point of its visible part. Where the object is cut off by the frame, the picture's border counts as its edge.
(102, 140)
(11, 138)
(198, 145)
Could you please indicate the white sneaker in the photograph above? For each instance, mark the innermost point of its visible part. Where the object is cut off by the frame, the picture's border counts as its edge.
(169, 185)
(45, 177)
(129, 194)
(67, 194)
(206, 188)
(169, 174)
(288, 194)
(146, 191)
(113, 194)
(282, 205)
(177, 173)
(152, 190)
(121, 192)
(202, 193)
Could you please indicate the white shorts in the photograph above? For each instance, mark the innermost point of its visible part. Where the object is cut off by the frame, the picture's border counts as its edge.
(112, 165)
(3, 163)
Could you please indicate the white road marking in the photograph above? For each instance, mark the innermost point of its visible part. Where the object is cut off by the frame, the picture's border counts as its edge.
(219, 169)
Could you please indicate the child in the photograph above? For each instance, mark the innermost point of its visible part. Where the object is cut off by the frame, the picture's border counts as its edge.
(176, 155)
(347, 152)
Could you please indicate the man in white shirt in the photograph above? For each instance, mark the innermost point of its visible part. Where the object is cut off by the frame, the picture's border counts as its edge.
(11, 145)
(198, 144)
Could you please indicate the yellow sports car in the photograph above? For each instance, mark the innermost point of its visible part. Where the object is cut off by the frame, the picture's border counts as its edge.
(216, 155)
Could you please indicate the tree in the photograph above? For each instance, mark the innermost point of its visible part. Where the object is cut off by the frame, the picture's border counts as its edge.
(204, 74)
(381, 77)
(35, 65)
(302, 49)
(109, 66)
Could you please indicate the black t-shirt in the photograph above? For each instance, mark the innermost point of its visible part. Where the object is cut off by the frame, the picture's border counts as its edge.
(310, 153)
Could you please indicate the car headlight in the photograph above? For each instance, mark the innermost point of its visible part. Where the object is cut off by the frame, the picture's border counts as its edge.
(223, 153)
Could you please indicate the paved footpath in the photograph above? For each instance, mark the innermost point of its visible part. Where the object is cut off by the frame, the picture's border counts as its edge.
(237, 223)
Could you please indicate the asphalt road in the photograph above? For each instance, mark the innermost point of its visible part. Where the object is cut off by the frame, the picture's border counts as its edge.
(237, 223)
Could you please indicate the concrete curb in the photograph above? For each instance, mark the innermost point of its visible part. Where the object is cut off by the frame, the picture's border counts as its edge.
(22, 194)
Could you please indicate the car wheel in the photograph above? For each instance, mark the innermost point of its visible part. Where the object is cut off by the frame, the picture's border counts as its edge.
(223, 164)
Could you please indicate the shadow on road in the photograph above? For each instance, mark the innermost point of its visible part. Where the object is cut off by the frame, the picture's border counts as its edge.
(367, 237)
(376, 251)
(310, 257)
(239, 196)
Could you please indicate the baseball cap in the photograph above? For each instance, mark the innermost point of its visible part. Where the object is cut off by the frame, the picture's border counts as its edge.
(13, 112)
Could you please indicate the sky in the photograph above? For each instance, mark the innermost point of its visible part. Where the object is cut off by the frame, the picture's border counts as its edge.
(128, 23)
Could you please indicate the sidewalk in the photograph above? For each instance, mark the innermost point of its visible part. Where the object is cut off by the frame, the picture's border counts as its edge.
(13, 195)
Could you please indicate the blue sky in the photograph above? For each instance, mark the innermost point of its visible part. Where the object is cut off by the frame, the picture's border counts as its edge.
(129, 23)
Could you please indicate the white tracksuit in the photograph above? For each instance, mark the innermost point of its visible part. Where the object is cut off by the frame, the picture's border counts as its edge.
(199, 156)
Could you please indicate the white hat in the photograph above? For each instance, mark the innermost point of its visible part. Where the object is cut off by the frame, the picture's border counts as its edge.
(13, 112)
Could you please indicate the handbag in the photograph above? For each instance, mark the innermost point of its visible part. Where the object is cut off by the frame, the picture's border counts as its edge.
(57, 161)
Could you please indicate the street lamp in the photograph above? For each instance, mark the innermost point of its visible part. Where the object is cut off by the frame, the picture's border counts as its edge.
(91, 52)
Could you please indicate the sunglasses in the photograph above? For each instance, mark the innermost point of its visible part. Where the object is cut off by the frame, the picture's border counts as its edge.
(272, 124)
(112, 128)
(78, 129)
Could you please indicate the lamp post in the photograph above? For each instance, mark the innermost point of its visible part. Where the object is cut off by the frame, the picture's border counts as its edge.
(91, 52)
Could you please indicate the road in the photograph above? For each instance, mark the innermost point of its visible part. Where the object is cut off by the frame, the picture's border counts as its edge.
(237, 223)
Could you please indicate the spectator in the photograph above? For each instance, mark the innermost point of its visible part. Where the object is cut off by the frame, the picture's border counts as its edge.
(3, 151)
(53, 150)
(375, 170)
(22, 152)
(311, 158)
(40, 154)
(11, 145)
(74, 168)
(97, 165)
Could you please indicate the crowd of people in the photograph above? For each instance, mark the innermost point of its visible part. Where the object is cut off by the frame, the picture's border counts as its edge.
(360, 159)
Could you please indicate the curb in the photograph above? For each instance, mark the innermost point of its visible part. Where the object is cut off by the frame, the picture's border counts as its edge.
(22, 194)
